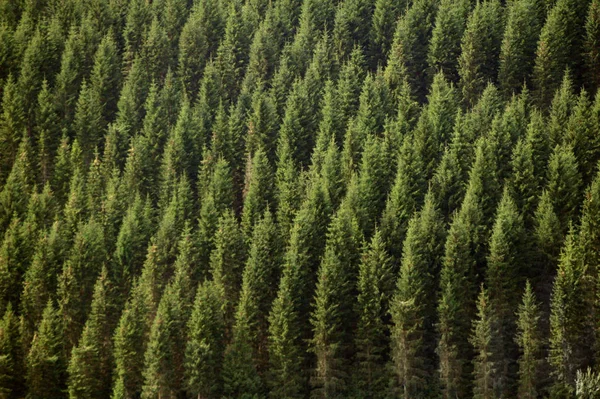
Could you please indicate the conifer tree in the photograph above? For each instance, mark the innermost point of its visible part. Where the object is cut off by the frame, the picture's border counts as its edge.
(258, 190)
(560, 47)
(480, 49)
(482, 340)
(332, 311)
(11, 125)
(48, 132)
(404, 198)
(11, 357)
(105, 77)
(204, 350)
(529, 340)
(592, 43)
(132, 332)
(503, 279)
(227, 262)
(76, 282)
(369, 375)
(561, 108)
(383, 23)
(17, 187)
(45, 374)
(408, 54)
(580, 136)
(569, 349)
(448, 30)
(286, 332)
(90, 366)
(458, 291)
(564, 184)
(412, 310)
(517, 54)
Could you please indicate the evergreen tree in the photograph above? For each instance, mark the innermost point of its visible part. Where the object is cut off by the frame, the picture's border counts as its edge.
(336, 281)
(412, 310)
(227, 262)
(11, 357)
(258, 190)
(444, 46)
(503, 279)
(482, 340)
(517, 54)
(569, 350)
(480, 49)
(560, 47)
(204, 350)
(286, 332)
(45, 361)
(529, 340)
(592, 43)
(580, 136)
(11, 125)
(408, 54)
(564, 184)
(90, 366)
(369, 376)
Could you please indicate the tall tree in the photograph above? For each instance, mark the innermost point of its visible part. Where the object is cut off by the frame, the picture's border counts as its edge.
(529, 340)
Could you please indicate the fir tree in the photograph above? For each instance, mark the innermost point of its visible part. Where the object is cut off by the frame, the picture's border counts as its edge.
(369, 376)
(568, 348)
(529, 340)
(480, 48)
(11, 357)
(482, 340)
(413, 315)
(336, 280)
(204, 350)
(444, 46)
(90, 366)
(517, 54)
(592, 43)
(45, 361)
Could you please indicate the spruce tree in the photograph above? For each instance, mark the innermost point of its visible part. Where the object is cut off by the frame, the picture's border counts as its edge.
(204, 350)
(332, 311)
(11, 356)
(90, 365)
(480, 49)
(258, 190)
(45, 374)
(482, 340)
(444, 46)
(369, 375)
(529, 340)
(569, 328)
(503, 279)
(580, 136)
(517, 54)
(564, 184)
(412, 308)
(592, 44)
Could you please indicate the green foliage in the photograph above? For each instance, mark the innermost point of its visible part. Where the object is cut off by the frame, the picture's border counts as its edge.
(529, 340)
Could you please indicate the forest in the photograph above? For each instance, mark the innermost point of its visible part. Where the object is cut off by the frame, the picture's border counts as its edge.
(293, 199)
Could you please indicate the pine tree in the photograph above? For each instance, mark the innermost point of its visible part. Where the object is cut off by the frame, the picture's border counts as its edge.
(482, 340)
(561, 108)
(412, 308)
(350, 27)
(45, 361)
(17, 187)
(529, 340)
(204, 350)
(332, 311)
(569, 331)
(48, 132)
(383, 23)
(444, 46)
(369, 376)
(90, 366)
(11, 125)
(480, 49)
(105, 78)
(517, 54)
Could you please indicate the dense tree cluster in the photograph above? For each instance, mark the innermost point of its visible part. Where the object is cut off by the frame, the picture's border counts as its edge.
(299, 198)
